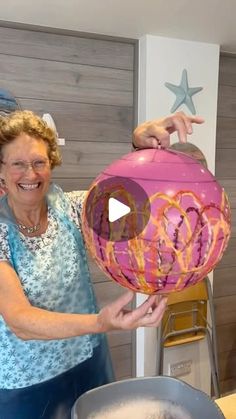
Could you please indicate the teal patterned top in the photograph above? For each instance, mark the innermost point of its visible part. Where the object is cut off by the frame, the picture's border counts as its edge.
(54, 274)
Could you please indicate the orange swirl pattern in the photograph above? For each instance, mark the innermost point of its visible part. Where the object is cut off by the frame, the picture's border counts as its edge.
(183, 241)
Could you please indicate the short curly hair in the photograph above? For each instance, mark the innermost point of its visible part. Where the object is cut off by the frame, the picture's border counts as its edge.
(18, 122)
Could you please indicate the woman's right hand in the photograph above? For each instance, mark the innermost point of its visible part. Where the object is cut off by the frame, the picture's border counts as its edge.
(157, 132)
(115, 316)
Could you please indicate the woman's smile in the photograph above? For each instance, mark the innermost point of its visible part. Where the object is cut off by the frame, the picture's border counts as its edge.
(26, 170)
(29, 186)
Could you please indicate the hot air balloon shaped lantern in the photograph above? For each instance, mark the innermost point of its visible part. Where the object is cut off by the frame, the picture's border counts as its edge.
(185, 217)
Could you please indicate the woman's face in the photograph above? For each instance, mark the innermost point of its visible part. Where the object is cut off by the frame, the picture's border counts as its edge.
(26, 169)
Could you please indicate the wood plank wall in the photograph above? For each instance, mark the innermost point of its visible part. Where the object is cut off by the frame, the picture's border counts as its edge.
(87, 85)
(225, 273)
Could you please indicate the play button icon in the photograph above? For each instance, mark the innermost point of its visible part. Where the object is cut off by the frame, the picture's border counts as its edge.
(116, 209)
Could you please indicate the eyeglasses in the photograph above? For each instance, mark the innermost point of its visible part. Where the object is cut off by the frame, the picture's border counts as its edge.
(21, 166)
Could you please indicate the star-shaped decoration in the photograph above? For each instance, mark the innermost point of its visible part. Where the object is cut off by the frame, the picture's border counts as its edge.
(183, 93)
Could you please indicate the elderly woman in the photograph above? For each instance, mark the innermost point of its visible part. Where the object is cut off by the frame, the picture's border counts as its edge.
(52, 345)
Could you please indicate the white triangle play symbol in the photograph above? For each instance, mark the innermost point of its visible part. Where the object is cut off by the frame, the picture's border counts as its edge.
(116, 209)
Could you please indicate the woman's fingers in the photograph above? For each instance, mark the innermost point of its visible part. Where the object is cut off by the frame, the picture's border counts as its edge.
(183, 124)
(153, 319)
(156, 133)
(147, 314)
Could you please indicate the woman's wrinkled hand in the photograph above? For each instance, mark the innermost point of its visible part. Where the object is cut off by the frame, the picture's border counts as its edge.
(115, 316)
(156, 133)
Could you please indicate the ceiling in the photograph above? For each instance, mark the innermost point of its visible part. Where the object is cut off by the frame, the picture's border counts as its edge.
(211, 21)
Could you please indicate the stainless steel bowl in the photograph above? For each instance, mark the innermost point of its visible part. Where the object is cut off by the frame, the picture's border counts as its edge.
(196, 403)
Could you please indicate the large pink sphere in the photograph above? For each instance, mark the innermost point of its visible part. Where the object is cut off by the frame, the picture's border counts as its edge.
(186, 234)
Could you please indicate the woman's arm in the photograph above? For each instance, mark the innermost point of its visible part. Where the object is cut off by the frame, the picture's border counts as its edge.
(29, 322)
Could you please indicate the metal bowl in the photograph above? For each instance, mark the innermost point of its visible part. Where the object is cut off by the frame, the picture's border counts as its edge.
(162, 388)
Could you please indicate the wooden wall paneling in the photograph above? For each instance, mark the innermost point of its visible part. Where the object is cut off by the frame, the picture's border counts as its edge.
(66, 82)
(229, 257)
(229, 186)
(224, 281)
(225, 162)
(67, 48)
(226, 343)
(226, 131)
(225, 272)
(83, 122)
(73, 184)
(227, 366)
(84, 159)
(225, 310)
(95, 271)
(227, 75)
(88, 159)
(227, 346)
(104, 290)
(121, 360)
(233, 221)
(227, 385)
(227, 101)
(119, 338)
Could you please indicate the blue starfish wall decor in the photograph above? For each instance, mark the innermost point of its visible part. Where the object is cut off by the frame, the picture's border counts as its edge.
(183, 93)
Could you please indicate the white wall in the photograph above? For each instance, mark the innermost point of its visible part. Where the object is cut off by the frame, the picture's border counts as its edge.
(163, 60)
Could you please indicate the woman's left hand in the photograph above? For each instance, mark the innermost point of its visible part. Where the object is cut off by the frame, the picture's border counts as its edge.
(155, 133)
(116, 316)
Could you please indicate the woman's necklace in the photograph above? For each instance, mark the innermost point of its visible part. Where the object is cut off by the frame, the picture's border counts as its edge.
(28, 230)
